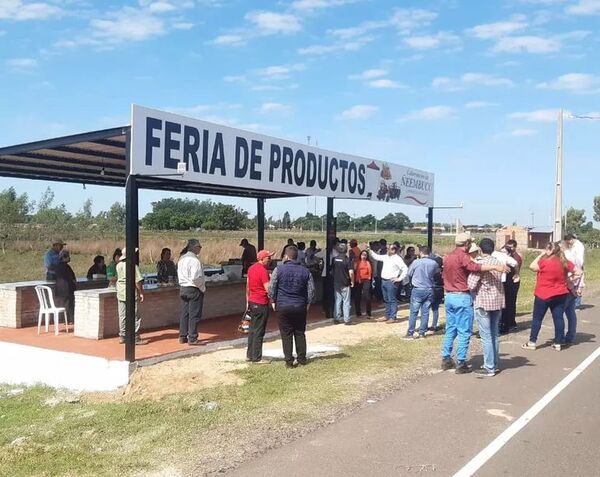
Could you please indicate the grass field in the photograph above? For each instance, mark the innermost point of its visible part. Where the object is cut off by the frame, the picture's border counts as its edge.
(135, 438)
(43, 436)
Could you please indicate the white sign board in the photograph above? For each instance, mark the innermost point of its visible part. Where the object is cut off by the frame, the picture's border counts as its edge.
(221, 155)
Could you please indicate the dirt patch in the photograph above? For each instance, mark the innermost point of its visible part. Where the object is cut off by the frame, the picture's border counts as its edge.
(212, 369)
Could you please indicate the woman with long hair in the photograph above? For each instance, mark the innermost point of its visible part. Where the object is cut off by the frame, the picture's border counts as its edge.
(166, 270)
(362, 286)
(551, 292)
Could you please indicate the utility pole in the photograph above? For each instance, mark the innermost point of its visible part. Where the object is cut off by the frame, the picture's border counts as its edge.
(558, 233)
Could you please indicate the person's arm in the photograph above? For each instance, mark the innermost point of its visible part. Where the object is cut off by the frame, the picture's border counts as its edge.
(411, 270)
(376, 256)
(351, 273)
(473, 281)
(273, 287)
(139, 281)
(310, 291)
(535, 265)
(403, 270)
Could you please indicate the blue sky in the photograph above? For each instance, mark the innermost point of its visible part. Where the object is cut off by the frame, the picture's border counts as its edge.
(466, 89)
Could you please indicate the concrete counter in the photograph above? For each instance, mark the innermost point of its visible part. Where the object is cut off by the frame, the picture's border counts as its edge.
(19, 305)
(96, 315)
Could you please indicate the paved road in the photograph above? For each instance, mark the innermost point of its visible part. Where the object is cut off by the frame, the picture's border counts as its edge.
(440, 423)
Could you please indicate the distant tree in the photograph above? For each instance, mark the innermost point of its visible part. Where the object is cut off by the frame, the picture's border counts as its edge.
(397, 222)
(14, 209)
(575, 220)
(366, 222)
(115, 216)
(48, 214)
(308, 222)
(597, 208)
(286, 222)
(343, 221)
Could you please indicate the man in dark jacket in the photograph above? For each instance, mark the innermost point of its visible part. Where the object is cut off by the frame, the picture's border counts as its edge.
(292, 290)
(64, 290)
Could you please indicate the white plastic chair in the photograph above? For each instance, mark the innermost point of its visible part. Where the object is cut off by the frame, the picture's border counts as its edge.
(48, 309)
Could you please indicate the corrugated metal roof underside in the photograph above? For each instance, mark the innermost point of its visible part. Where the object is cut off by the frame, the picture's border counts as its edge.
(99, 158)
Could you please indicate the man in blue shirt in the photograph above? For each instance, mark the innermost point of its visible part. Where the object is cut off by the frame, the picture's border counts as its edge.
(422, 274)
(51, 259)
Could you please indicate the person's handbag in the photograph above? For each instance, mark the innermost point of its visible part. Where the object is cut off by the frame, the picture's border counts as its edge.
(244, 326)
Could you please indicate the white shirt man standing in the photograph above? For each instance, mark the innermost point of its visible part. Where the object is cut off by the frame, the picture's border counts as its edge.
(393, 272)
(192, 287)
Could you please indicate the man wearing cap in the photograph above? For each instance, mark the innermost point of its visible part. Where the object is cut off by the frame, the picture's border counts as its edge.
(192, 287)
(459, 303)
(51, 259)
(342, 269)
(393, 272)
(248, 255)
(257, 298)
(292, 290)
(122, 297)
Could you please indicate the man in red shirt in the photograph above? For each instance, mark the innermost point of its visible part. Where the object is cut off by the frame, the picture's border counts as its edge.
(459, 303)
(257, 287)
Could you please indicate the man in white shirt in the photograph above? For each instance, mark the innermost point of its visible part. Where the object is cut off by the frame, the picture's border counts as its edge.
(393, 272)
(192, 287)
(575, 253)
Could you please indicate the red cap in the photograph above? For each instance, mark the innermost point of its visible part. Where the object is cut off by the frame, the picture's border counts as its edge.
(264, 254)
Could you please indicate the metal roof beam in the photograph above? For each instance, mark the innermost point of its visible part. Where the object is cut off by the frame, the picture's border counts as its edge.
(65, 140)
(90, 152)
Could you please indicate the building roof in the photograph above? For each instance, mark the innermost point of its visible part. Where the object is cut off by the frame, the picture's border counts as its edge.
(99, 158)
(545, 229)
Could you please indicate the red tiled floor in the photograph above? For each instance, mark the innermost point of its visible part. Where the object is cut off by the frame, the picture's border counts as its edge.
(161, 342)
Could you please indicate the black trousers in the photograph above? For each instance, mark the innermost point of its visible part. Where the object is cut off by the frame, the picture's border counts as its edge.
(377, 288)
(192, 300)
(509, 313)
(292, 327)
(258, 325)
(362, 292)
(68, 303)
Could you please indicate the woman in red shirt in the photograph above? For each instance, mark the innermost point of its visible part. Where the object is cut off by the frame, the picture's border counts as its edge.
(364, 275)
(551, 291)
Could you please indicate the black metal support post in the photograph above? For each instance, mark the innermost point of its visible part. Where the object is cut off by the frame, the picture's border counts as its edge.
(328, 299)
(131, 243)
(260, 222)
(430, 228)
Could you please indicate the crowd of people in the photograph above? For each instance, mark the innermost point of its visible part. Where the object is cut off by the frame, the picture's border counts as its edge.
(476, 282)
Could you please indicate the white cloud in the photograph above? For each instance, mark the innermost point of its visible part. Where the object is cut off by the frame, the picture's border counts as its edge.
(19, 10)
(479, 104)
(183, 26)
(496, 30)
(584, 7)
(118, 26)
(205, 111)
(432, 113)
(430, 42)
(270, 23)
(360, 111)
(341, 46)
(574, 82)
(537, 116)
(161, 7)
(229, 40)
(277, 108)
(22, 64)
(523, 132)
(527, 44)
(234, 78)
(469, 79)
(369, 74)
(279, 72)
(308, 5)
(385, 83)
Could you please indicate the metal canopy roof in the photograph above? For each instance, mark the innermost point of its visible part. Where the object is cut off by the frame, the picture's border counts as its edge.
(99, 158)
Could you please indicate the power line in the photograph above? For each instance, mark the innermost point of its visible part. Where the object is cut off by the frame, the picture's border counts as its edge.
(582, 116)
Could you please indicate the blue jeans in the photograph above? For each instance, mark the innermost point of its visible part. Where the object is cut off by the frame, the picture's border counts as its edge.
(342, 302)
(557, 308)
(420, 299)
(571, 314)
(489, 329)
(389, 290)
(459, 322)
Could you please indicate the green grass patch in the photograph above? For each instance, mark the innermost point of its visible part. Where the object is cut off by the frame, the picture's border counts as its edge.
(131, 437)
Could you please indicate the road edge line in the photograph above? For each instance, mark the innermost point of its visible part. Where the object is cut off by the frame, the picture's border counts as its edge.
(488, 452)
